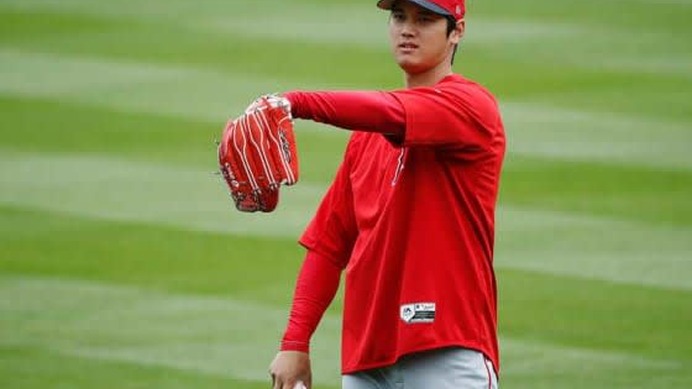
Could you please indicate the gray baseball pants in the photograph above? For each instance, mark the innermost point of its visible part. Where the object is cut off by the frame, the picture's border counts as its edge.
(450, 368)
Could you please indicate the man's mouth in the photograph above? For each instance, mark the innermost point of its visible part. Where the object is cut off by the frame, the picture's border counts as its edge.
(408, 46)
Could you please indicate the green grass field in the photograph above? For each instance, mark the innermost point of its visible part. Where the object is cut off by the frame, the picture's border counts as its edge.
(124, 265)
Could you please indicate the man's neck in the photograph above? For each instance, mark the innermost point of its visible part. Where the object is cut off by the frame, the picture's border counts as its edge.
(429, 78)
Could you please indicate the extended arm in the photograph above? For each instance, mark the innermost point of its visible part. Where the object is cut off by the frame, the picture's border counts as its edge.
(365, 111)
(455, 114)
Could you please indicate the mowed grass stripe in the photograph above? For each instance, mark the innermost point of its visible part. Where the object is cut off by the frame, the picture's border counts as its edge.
(152, 256)
(177, 92)
(215, 336)
(669, 16)
(649, 195)
(130, 191)
(130, 86)
(594, 11)
(582, 46)
(593, 248)
(595, 314)
(28, 367)
(74, 128)
(120, 190)
(220, 337)
(213, 97)
(559, 133)
(335, 20)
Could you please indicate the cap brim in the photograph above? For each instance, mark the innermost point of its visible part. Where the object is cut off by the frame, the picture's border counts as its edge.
(387, 4)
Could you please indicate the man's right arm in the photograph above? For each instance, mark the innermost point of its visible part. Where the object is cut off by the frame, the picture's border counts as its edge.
(316, 287)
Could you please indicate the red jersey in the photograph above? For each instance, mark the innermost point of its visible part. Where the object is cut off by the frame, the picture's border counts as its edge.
(412, 221)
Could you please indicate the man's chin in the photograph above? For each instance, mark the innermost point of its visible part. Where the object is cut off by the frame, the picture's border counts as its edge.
(406, 62)
(411, 67)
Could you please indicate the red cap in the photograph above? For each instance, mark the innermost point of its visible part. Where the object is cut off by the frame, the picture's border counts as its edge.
(453, 8)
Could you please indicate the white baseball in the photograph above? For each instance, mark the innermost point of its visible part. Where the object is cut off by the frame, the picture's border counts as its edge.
(300, 385)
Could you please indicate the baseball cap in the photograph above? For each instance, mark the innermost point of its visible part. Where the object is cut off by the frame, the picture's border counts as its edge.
(453, 8)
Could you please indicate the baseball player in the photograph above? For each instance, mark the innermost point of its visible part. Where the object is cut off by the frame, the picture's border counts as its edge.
(409, 219)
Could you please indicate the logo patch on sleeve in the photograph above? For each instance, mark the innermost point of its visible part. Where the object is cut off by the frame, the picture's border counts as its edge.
(417, 313)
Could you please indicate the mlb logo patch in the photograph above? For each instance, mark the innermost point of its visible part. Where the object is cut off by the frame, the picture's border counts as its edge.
(417, 313)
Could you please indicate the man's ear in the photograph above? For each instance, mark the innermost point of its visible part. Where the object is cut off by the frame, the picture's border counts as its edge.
(458, 32)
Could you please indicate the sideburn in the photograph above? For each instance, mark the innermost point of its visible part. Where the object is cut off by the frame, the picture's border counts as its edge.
(451, 25)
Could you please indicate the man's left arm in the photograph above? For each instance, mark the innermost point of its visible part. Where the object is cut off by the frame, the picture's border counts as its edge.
(370, 111)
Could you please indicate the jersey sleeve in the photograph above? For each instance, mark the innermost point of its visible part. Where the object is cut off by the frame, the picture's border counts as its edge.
(316, 286)
(332, 231)
(370, 111)
(457, 116)
(454, 114)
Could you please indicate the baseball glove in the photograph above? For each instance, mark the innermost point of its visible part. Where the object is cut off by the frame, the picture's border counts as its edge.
(258, 154)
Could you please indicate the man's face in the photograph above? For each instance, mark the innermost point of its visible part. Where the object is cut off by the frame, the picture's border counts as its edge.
(419, 38)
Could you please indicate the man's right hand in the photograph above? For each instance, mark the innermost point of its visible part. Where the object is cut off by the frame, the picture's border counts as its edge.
(290, 367)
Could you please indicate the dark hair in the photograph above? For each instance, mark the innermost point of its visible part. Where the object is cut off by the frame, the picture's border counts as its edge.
(451, 25)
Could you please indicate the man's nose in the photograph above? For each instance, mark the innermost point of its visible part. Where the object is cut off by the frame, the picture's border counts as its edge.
(408, 29)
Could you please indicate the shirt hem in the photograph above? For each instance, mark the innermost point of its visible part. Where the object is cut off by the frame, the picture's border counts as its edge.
(392, 361)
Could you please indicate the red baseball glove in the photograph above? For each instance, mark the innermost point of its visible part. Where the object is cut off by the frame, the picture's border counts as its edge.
(257, 154)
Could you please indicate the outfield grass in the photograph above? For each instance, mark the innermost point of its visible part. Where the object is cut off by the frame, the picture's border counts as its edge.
(123, 264)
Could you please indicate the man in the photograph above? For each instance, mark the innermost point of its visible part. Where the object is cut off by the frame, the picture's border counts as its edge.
(409, 218)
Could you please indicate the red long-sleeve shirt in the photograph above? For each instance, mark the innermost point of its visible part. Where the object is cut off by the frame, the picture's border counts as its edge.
(410, 218)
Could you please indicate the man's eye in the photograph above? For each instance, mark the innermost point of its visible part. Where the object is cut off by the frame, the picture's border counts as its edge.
(398, 16)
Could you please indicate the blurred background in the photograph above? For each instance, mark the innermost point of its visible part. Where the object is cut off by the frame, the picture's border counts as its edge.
(123, 263)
